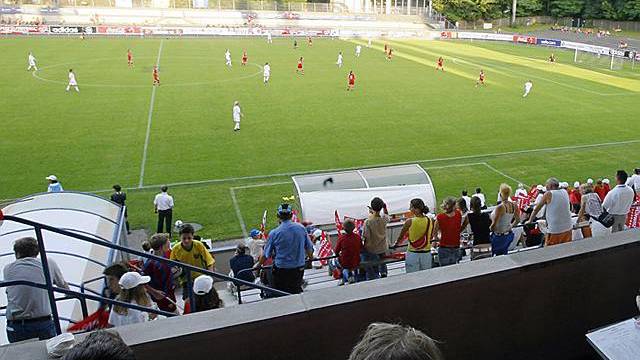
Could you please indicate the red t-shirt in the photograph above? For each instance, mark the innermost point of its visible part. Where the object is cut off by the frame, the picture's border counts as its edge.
(299, 64)
(348, 250)
(352, 79)
(601, 191)
(575, 196)
(450, 229)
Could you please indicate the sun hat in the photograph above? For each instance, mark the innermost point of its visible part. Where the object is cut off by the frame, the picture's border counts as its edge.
(132, 279)
(52, 178)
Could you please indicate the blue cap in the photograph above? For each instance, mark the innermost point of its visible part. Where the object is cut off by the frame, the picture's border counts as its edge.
(284, 209)
(254, 233)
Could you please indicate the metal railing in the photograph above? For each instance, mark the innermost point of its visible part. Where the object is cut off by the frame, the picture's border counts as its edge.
(51, 289)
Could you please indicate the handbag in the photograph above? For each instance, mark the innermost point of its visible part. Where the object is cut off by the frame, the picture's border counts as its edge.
(605, 219)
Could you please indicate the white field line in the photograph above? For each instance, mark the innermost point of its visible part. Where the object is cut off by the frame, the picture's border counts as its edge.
(234, 200)
(146, 140)
(453, 158)
(243, 227)
(503, 174)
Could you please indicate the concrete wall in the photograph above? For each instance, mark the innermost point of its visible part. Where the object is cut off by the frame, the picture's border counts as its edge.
(531, 305)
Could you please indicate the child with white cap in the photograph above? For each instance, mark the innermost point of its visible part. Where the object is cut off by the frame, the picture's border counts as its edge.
(206, 296)
(133, 291)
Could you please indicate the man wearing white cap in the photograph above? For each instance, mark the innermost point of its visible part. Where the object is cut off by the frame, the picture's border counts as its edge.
(132, 286)
(237, 115)
(54, 184)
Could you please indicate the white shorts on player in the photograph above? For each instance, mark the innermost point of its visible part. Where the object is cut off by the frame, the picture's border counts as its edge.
(237, 114)
(227, 58)
(269, 38)
(32, 63)
(358, 50)
(267, 73)
(527, 88)
(339, 62)
(72, 82)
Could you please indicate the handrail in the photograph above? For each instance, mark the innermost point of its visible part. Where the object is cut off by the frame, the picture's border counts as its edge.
(74, 294)
(187, 269)
(65, 253)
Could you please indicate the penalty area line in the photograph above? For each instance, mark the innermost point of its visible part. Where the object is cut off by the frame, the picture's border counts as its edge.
(149, 119)
(236, 205)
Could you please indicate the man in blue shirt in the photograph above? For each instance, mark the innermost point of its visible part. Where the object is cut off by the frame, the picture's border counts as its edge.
(54, 184)
(287, 245)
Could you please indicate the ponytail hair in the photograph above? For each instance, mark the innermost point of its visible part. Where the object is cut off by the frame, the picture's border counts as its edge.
(417, 203)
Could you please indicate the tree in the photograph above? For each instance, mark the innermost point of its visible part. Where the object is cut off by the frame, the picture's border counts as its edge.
(566, 8)
(608, 11)
(528, 7)
(631, 10)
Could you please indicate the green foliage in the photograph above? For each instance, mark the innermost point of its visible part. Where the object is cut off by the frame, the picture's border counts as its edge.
(631, 10)
(608, 11)
(566, 8)
(471, 10)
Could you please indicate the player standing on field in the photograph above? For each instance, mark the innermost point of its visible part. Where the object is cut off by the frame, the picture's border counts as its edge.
(440, 65)
(527, 88)
(227, 57)
(369, 43)
(237, 114)
(72, 81)
(129, 58)
(358, 50)
(480, 79)
(552, 58)
(267, 72)
(156, 76)
(32, 62)
(295, 43)
(309, 41)
(339, 62)
(386, 49)
(269, 39)
(351, 80)
(300, 69)
(389, 54)
(244, 57)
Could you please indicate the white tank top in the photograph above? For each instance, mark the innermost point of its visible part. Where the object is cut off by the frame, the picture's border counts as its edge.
(558, 212)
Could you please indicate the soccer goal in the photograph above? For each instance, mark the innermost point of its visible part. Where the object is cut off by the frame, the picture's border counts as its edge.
(599, 60)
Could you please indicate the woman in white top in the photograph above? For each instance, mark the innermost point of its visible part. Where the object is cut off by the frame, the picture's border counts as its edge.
(505, 217)
(132, 291)
(590, 207)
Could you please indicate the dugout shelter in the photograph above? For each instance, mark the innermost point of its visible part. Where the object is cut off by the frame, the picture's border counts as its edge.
(350, 192)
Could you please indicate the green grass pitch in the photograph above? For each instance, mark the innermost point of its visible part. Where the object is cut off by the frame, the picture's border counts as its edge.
(400, 111)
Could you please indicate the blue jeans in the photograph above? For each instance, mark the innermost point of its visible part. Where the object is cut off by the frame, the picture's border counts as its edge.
(374, 272)
(448, 255)
(500, 243)
(415, 261)
(19, 331)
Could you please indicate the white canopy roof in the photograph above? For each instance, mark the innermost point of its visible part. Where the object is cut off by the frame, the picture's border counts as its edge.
(350, 192)
(81, 213)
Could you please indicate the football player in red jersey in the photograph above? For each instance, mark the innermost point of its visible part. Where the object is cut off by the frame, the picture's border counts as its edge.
(129, 58)
(300, 69)
(351, 80)
(244, 57)
(156, 76)
(440, 65)
(480, 79)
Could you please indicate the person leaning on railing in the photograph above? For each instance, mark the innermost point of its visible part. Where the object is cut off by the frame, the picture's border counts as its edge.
(480, 223)
(287, 244)
(420, 230)
(28, 309)
(449, 224)
(506, 216)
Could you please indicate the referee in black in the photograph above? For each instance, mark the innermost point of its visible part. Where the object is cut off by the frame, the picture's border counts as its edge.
(120, 197)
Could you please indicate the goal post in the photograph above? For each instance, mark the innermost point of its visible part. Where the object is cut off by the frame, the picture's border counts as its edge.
(598, 59)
